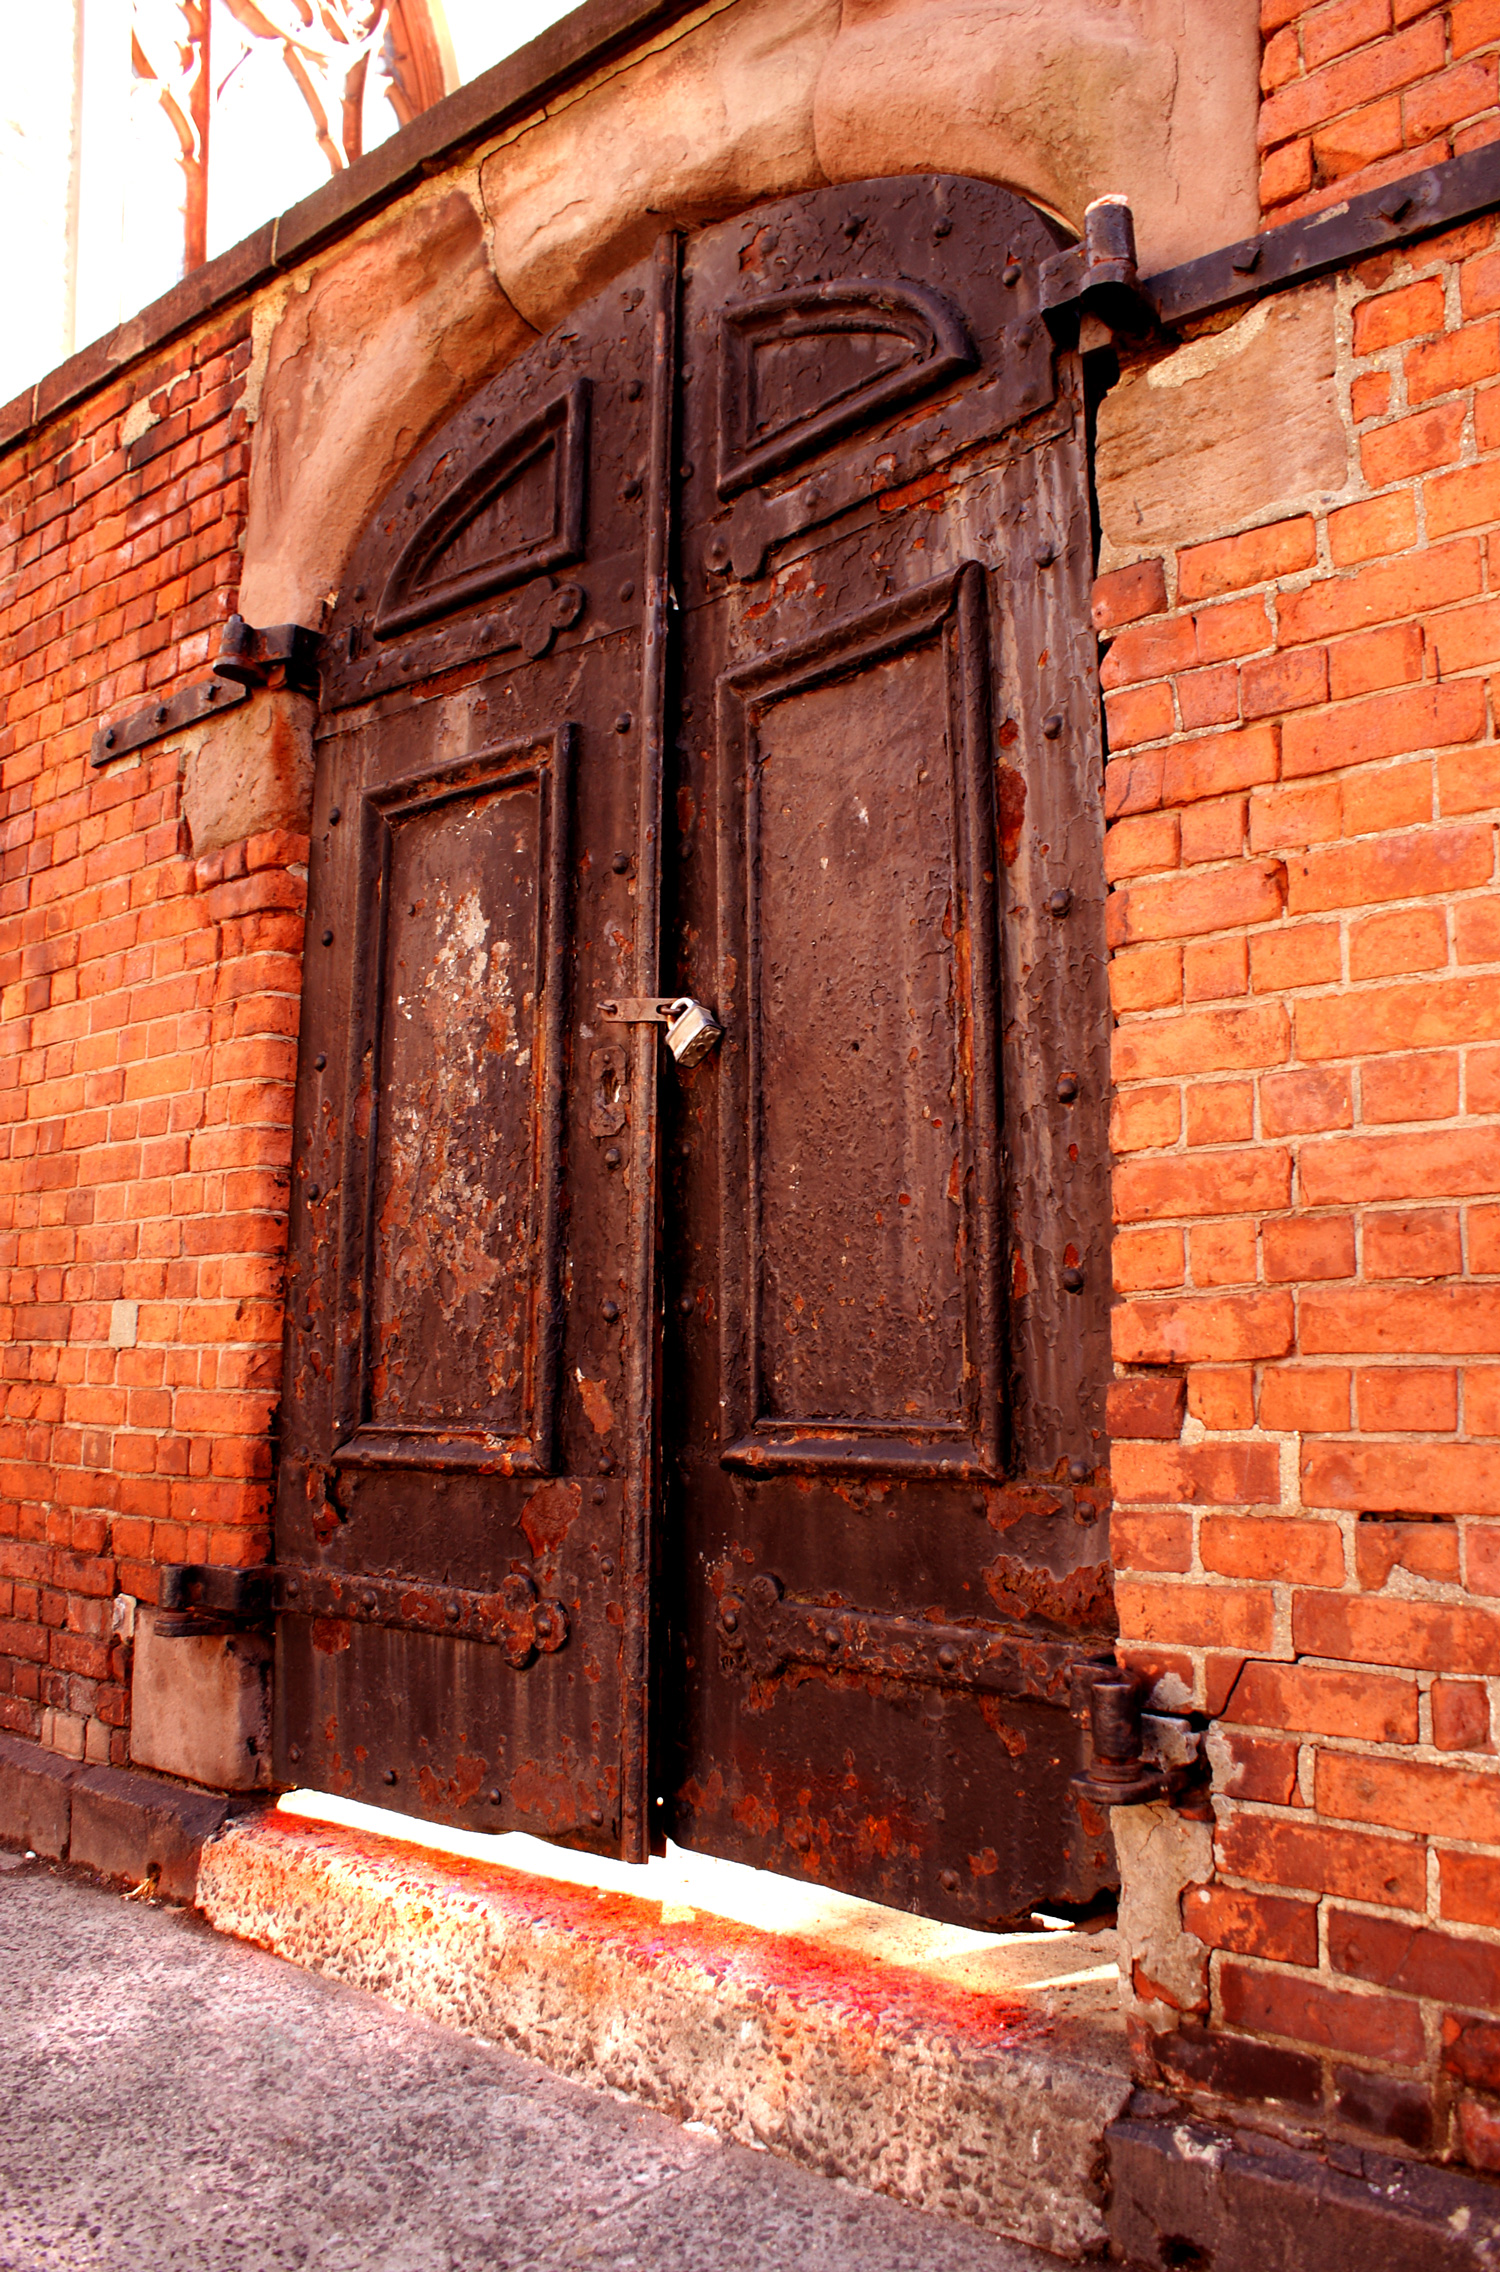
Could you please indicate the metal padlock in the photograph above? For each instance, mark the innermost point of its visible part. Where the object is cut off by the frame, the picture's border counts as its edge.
(691, 1030)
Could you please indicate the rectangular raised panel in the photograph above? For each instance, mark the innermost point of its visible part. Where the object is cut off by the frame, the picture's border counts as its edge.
(869, 1125)
(858, 1166)
(464, 920)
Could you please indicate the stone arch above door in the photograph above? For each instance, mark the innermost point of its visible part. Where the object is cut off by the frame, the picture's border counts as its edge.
(1059, 100)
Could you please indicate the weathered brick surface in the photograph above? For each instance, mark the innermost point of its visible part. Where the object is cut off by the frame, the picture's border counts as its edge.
(1359, 92)
(1306, 935)
(148, 1014)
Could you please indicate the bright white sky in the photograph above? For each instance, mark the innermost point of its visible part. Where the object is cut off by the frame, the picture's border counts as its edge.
(263, 159)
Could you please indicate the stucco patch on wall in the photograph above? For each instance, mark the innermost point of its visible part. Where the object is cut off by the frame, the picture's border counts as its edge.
(1240, 425)
(388, 336)
(711, 123)
(1063, 100)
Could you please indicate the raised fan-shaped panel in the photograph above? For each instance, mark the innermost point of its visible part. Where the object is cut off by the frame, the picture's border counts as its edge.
(516, 514)
(799, 368)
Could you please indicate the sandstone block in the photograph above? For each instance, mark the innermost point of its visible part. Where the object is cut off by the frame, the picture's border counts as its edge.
(200, 1706)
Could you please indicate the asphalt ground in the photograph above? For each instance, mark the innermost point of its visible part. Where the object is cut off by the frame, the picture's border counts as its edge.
(172, 2101)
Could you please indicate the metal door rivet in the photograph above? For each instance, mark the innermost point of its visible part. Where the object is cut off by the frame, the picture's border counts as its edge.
(610, 1312)
(314, 1191)
(832, 1636)
(685, 1303)
(624, 722)
(730, 1620)
(942, 226)
(1052, 725)
(295, 1753)
(452, 1612)
(328, 938)
(801, 1839)
(109, 739)
(596, 1816)
(1067, 1087)
(389, 1775)
(1072, 1279)
(632, 488)
(1059, 902)
(319, 1064)
(1010, 276)
(948, 1880)
(1045, 554)
(1078, 1470)
(621, 863)
(160, 713)
(947, 1656)
(494, 1798)
(627, 590)
(291, 1585)
(613, 1156)
(606, 1564)
(686, 471)
(335, 816)
(633, 390)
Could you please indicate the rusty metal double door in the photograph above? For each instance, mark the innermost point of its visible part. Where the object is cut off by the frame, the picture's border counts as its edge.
(709, 1449)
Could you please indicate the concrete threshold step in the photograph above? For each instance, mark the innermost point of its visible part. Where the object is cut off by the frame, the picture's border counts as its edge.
(968, 2074)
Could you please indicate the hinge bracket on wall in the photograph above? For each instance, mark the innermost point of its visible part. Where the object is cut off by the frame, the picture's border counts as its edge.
(285, 655)
(201, 1597)
(1097, 277)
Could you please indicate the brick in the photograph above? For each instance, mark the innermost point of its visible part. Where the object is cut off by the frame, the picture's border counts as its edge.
(1469, 779)
(1259, 1769)
(1212, 831)
(1188, 905)
(1145, 978)
(1222, 1254)
(1384, 592)
(1141, 1119)
(1421, 1242)
(1307, 1700)
(1413, 445)
(1272, 1549)
(1190, 1616)
(1388, 946)
(1367, 661)
(1144, 845)
(1482, 1400)
(1417, 1961)
(1431, 1163)
(1221, 1112)
(1460, 1715)
(1205, 1041)
(1369, 397)
(1388, 318)
(1225, 1475)
(1147, 1406)
(1453, 858)
(1474, 25)
(1153, 1543)
(1308, 1247)
(1424, 1016)
(1286, 173)
(1142, 1259)
(1426, 1479)
(1426, 1321)
(1320, 1858)
(1227, 1183)
(1464, 499)
(1270, 2003)
(1139, 714)
(1234, 628)
(1374, 1629)
(1208, 698)
(1215, 970)
(1152, 651)
(1410, 1088)
(1290, 680)
(1222, 1397)
(1406, 1398)
(1219, 763)
(1458, 359)
(1376, 525)
(1471, 2049)
(1253, 1924)
(1297, 954)
(1228, 564)
(1393, 724)
(1377, 69)
(1307, 1398)
(1127, 594)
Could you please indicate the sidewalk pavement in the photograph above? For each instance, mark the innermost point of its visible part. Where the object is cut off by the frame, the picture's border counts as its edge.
(176, 2101)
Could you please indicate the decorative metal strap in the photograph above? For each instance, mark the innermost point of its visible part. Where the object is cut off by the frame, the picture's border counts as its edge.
(513, 1618)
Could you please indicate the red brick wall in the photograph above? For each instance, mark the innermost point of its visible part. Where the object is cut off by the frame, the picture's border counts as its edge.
(1304, 785)
(148, 1011)
(1359, 92)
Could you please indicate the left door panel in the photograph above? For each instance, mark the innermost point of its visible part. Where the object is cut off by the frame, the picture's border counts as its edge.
(452, 1609)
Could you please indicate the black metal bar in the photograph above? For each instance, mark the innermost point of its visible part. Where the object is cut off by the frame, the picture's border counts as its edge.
(186, 708)
(1399, 214)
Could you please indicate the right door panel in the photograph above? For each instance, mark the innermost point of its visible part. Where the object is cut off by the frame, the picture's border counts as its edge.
(884, 1541)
